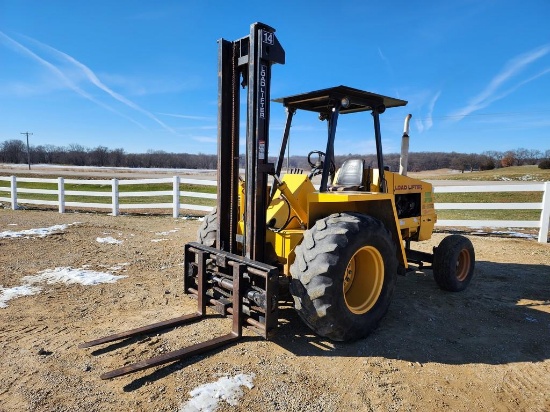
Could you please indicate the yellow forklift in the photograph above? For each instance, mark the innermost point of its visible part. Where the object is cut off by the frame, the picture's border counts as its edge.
(337, 248)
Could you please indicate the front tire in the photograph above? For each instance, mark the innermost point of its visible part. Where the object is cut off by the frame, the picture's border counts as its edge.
(344, 275)
(208, 229)
(454, 263)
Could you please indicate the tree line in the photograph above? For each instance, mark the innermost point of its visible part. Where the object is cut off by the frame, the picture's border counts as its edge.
(15, 151)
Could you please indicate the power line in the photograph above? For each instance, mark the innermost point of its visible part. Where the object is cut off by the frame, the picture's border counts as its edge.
(495, 114)
(28, 148)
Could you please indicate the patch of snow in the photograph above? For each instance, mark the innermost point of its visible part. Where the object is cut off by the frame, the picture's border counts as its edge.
(70, 275)
(65, 275)
(158, 240)
(166, 233)
(16, 292)
(118, 267)
(108, 239)
(40, 232)
(492, 232)
(200, 218)
(516, 234)
(206, 398)
(510, 232)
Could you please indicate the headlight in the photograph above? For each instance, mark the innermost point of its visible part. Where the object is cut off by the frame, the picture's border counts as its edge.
(344, 102)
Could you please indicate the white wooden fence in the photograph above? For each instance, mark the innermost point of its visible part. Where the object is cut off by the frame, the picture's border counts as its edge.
(177, 195)
(542, 224)
(115, 194)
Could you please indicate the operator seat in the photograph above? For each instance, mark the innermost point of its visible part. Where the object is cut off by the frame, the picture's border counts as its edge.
(350, 176)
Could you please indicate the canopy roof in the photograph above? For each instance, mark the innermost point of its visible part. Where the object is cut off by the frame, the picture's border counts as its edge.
(322, 101)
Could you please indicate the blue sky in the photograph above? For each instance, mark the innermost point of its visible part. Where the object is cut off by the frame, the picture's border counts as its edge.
(141, 75)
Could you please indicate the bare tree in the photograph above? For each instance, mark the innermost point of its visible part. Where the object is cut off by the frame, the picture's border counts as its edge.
(99, 156)
(521, 155)
(77, 155)
(13, 151)
(509, 159)
(534, 157)
(117, 158)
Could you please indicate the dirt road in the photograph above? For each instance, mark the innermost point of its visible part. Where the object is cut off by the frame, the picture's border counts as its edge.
(487, 348)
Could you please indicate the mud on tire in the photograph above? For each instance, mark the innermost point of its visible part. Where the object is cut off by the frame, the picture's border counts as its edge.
(344, 275)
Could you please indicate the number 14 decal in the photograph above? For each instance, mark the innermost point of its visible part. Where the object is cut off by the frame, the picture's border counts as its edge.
(267, 37)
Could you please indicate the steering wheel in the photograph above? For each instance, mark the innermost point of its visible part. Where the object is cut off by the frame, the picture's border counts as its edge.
(320, 159)
(317, 166)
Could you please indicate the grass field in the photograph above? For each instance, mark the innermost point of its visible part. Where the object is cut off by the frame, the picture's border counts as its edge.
(497, 197)
(509, 174)
(528, 173)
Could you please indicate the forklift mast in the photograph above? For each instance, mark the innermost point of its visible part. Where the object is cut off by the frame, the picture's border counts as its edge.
(251, 58)
(242, 286)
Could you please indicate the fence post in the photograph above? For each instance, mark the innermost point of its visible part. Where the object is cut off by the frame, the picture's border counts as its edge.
(115, 196)
(545, 214)
(13, 188)
(176, 196)
(61, 194)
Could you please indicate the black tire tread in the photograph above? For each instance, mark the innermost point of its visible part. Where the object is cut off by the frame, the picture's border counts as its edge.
(207, 233)
(445, 257)
(322, 248)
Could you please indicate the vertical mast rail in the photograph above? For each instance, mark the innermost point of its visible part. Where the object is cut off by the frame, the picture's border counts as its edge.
(264, 50)
(228, 145)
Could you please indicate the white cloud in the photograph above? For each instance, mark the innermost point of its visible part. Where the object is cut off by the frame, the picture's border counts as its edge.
(205, 139)
(427, 123)
(189, 117)
(512, 68)
(91, 76)
(76, 73)
(65, 79)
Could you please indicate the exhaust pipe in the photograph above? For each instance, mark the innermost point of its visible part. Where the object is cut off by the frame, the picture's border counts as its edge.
(404, 160)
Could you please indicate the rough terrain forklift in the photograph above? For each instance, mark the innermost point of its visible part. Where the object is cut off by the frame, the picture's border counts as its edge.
(336, 248)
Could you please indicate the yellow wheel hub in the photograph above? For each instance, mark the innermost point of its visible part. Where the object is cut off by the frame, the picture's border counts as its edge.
(363, 280)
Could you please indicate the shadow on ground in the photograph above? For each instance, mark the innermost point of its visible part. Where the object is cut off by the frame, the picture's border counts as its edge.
(503, 317)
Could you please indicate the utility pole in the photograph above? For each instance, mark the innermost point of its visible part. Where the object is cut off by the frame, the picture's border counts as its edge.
(28, 148)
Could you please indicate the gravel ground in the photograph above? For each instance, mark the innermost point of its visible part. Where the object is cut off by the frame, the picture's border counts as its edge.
(487, 348)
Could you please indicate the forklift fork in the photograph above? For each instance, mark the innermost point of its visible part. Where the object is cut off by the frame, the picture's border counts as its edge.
(196, 257)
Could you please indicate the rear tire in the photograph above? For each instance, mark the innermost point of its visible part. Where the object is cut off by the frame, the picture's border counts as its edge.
(208, 229)
(344, 275)
(454, 263)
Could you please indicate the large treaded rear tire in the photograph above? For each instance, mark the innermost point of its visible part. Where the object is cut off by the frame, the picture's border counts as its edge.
(207, 233)
(454, 263)
(344, 275)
